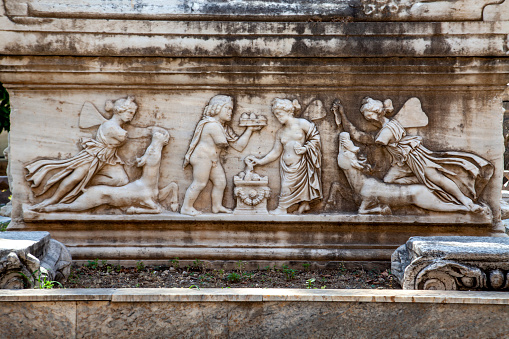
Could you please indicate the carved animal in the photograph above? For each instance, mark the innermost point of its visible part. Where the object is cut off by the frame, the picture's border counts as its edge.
(139, 196)
(376, 196)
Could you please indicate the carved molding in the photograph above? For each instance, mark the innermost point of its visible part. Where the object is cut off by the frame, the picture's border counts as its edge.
(341, 10)
(452, 263)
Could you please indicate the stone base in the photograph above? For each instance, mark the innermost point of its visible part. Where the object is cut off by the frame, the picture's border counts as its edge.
(253, 313)
(157, 240)
(452, 263)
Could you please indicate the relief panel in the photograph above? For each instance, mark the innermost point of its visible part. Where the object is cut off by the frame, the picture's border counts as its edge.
(295, 155)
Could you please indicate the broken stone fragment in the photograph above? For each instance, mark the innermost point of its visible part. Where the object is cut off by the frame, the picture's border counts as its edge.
(452, 263)
(27, 258)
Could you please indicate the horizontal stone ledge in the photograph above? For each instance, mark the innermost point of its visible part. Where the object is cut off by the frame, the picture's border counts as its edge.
(254, 295)
(242, 28)
(432, 218)
(36, 43)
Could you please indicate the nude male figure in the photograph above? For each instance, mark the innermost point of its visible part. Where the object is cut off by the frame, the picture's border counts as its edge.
(211, 136)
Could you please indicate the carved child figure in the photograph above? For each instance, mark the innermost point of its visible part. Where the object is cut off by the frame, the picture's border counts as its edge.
(211, 136)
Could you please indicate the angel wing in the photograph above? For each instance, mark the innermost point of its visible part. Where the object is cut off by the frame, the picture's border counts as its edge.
(411, 114)
(315, 111)
(90, 116)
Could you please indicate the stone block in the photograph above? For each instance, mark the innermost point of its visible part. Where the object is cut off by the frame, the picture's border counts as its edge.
(149, 320)
(51, 319)
(290, 130)
(26, 258)
(451, 263)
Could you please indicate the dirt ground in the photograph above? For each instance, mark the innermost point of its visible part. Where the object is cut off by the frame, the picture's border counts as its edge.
(100, 274)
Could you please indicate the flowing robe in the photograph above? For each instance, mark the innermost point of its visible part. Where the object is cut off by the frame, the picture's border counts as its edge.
(95, 154)
(468, 171)
(304, 178)
(227, 131)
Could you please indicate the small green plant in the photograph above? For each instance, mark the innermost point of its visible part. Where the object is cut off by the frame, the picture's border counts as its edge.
(288, 272)
(248, 275)
(3, 226)
(341, 268)
(92, 264)
(306, 266)
(140, 266)
(233, 277)
(41, 280)
(118, 268)
(198, 264)
(194, 286)
(310, 283)
(267, 268)
(240, 265)
(175, 263)
(109, 268)
(137, 285)
(73, 277)
(104, 262)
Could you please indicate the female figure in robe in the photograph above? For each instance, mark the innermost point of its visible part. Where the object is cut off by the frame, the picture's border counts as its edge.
(455, 177)
(97, 164)
(299, 150)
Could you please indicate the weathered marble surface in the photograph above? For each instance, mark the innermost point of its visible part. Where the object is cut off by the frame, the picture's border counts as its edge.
(172, 59)
(343, 10)
(450, 263)
(254, 313)
(28, 257)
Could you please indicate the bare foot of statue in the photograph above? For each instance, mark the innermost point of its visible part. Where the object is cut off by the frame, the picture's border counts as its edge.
(475, 208)
(481, 209)
(189, 211)
(40, 207)
(278, 211)
(303, 207)
(221, 209)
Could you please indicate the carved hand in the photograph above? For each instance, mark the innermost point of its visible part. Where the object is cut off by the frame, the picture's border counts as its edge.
(335, 106)
(338, 110)
(299, 150)
(255, 128)
(251, 160)
(140, 162)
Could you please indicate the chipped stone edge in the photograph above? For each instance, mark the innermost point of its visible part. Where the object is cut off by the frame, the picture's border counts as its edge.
(254, 295)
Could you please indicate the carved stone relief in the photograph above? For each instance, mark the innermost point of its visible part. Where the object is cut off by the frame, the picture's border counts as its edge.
(456, 179)
(299, 150)
(96, 175)
(251, 191)
(212, 134)
(416, 178)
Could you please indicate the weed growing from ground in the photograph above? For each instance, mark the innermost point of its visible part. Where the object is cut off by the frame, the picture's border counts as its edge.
(175, 263)
(240, 266)
(41, 281)
(92, 264)
(140, 266)
(233, 277)
(288, 272)
(310, 283)
(198, 265)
